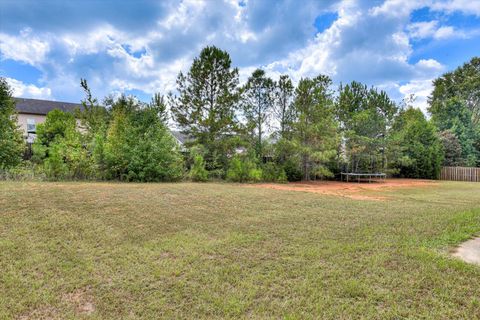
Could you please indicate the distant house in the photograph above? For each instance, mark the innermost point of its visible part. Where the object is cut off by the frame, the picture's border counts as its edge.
(181, 139)
(31, 112)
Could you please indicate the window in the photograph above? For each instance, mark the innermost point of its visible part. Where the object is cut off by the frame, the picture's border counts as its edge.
(31, 128)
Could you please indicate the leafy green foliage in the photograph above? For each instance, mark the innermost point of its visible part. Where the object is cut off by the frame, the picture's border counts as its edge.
(138, 145)
(243, 169)
(452, 149)
(257, 103)
(315, 136)
(131, 144)
(59, 148)
(365, 116)
(421, 149)
(455, 106)
(198, 171)
(283, 110)
(273, 172)
(318, 134)
(206, 105)
(12, 145)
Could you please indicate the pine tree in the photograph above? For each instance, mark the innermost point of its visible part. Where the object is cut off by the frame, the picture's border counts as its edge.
(257, 105)
(283, 110)
(205, 108)
(315, 130)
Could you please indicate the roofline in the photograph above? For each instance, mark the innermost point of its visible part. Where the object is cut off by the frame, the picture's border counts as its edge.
(33, 113)
(56, 101)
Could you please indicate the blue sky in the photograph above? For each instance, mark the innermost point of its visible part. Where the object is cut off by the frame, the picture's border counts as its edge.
(138, 47)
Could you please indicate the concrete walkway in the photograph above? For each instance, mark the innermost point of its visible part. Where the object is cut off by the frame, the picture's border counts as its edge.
(469, 251)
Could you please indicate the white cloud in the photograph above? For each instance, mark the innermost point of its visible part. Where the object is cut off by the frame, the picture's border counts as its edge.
(432, 29)
(365, 43)
(23, 90)
(25, 47)
(421, 89)
(465, 6)
(447, 32)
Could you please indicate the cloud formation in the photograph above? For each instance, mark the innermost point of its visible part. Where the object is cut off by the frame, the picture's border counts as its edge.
(141, 46)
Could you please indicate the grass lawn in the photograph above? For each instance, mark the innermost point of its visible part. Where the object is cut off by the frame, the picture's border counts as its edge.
(128, 251)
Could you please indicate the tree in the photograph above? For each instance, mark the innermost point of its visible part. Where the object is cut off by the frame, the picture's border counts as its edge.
(455, 106)
(12, 145)
(315, 130)
(198, 172)
(452, 149)
(93, 117)
(257, 104)
(283, 107)
(138, 145)
(60, 150)
(454, 115)
(158, 102)
(365, 117)
(206, 105)
(421, 149)
(242, 168)
(94, 121)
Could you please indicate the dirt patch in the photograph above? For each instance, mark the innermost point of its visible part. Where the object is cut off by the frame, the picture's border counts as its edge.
(81, 300)
(44, 312)
(469, 251)
(351, 190)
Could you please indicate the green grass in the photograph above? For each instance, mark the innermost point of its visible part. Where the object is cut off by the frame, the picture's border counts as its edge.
(129, 251)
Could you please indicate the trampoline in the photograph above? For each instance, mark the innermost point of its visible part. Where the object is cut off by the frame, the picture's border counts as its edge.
(370, 177)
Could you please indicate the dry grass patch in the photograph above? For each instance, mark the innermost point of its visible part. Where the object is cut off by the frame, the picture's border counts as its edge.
(210, 251)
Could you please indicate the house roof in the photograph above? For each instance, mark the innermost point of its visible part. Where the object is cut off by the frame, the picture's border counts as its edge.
(181, 137)
(42, 107)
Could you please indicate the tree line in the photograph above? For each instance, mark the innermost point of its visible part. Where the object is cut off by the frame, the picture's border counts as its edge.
(263, 130)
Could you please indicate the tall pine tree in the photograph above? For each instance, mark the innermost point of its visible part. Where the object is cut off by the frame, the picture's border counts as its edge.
(283, 107)
(257, 105)
(315, 130)
(205, 108)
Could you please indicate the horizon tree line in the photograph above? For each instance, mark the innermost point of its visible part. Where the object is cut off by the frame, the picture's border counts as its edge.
(262, 130)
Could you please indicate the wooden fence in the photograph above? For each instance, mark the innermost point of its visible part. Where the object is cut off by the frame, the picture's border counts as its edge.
(460, 174)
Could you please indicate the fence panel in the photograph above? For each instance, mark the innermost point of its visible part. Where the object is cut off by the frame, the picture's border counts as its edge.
(460, 174)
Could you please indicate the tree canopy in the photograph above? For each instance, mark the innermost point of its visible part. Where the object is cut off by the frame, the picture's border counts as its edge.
(11, 141)
(206, 104)
(264, 129)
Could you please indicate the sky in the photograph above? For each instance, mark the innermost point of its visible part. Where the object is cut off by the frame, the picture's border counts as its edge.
(139, 46)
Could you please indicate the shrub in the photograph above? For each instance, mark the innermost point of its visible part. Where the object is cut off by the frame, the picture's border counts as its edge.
(198, 171)
(282, 176)
(272, 172)
(23, 172)
(292, 171)
(243, 169)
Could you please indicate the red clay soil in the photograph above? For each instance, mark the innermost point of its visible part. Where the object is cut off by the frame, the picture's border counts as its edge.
(351, 190)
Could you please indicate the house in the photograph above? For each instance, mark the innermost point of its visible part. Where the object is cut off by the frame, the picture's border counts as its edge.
(31, 112)
(181, 139)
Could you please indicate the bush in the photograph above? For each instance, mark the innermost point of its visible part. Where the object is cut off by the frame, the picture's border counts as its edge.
(24, 172)
(271, 172)
(138, 146)
(59, 149)
(243, 170)
(198, 172)
(282, 177)
(292, 171)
